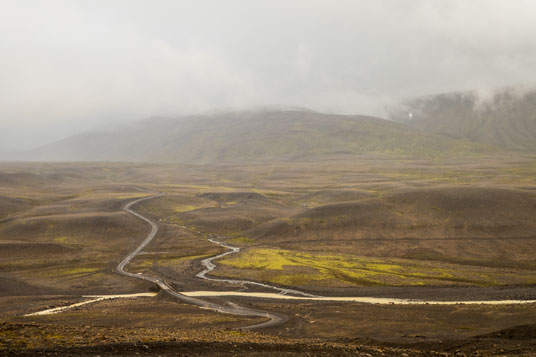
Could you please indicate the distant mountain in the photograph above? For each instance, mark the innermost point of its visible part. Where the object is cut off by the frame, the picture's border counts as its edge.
(507, 120)
(251, 135)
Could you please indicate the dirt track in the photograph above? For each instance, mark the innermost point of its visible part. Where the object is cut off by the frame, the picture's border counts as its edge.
(275, 319)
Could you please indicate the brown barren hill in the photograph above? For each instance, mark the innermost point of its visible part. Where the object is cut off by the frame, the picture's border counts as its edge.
(479, 224)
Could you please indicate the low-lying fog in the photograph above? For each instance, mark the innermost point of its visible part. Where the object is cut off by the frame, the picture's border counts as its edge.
(72, 66)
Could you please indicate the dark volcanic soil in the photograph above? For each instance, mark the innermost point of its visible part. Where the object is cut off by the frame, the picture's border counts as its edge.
(516, 341)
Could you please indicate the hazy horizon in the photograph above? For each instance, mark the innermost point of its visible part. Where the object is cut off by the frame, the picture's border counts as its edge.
(72, 66)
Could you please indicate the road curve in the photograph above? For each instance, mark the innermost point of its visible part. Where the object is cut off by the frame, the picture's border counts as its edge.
(274, 319)
(209, 266)
(233, 309)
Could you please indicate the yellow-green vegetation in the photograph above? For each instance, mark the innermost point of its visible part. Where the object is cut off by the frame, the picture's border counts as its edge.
(67, 271)
(110, 195)
(169, 207)
(61, 239)
(524, 172)
(72, 240)
(141, 263)
(517, 172)
(237, 238)
(299, 268)
(184, 208)
(445, 175)
(242, 240)
(122, 197)
(77, 271)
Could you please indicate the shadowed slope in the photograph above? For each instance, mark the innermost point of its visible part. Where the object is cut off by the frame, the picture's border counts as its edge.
(507, 121)
(473, 225)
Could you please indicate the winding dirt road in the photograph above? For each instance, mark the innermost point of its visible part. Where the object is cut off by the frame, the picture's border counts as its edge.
(274, 319)
(233, 309)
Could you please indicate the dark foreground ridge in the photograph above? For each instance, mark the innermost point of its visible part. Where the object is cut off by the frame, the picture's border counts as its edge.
(519, 340)
(205, 349)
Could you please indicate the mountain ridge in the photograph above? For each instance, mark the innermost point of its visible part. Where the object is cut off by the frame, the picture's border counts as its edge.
(250, 136)
(506, 120)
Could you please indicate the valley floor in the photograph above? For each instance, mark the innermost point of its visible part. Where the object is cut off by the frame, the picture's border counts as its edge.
(457, 229)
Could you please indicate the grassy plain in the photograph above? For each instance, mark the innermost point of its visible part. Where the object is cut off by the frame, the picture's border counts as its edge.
(291, 268)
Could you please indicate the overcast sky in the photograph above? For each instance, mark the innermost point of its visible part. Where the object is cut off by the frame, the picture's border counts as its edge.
(68, 66)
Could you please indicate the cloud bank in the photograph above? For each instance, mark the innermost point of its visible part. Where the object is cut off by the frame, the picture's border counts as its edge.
(68, 66)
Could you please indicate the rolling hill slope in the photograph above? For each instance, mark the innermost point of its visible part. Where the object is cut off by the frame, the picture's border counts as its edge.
(251, 135)
(475, 225)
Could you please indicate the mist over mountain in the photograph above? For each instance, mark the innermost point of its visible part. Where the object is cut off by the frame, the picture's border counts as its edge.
(506, 120)
(250, 135)
(430, 126)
